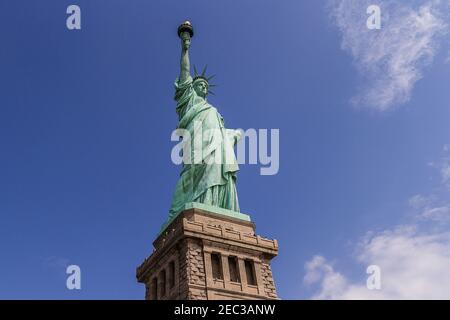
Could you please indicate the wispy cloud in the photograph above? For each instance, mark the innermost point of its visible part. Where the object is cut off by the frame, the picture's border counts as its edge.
(439, 214)
(436, 205)
(445, 171)
(413, 266)
(443, 165)
(414, 258)
(420, 201)
(390, 60)
(431, 208)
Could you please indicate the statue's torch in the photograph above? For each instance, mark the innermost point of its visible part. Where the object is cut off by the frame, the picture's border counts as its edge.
(186, 32)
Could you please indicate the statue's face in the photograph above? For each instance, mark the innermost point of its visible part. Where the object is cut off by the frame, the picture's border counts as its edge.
(201, 88)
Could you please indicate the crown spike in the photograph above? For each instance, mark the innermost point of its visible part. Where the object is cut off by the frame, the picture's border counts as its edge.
(204, 70)
(195, 70)
(210, 77)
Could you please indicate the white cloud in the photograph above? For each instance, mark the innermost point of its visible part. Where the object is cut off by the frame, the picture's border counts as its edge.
(414, 258)
(439, 214)
(332, 283)
(413, 266)
(392, 59)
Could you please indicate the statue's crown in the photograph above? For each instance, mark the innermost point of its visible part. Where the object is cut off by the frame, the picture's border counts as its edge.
(203, 77)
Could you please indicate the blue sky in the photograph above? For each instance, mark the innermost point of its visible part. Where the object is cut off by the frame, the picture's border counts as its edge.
(86, 116)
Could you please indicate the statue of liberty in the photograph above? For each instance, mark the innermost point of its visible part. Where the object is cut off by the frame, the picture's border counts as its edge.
(211, 177)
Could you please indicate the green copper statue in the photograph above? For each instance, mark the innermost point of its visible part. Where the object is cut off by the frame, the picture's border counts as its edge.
(211, 177)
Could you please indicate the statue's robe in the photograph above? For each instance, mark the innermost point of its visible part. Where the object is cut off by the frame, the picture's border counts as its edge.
(210, 175)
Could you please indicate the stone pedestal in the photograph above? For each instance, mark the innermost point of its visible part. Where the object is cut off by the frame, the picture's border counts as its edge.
(209, 253)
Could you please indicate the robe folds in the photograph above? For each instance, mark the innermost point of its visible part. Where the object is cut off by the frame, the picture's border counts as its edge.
(209, 169)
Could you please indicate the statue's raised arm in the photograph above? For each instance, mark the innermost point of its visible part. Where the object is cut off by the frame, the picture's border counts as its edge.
(185, 32)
